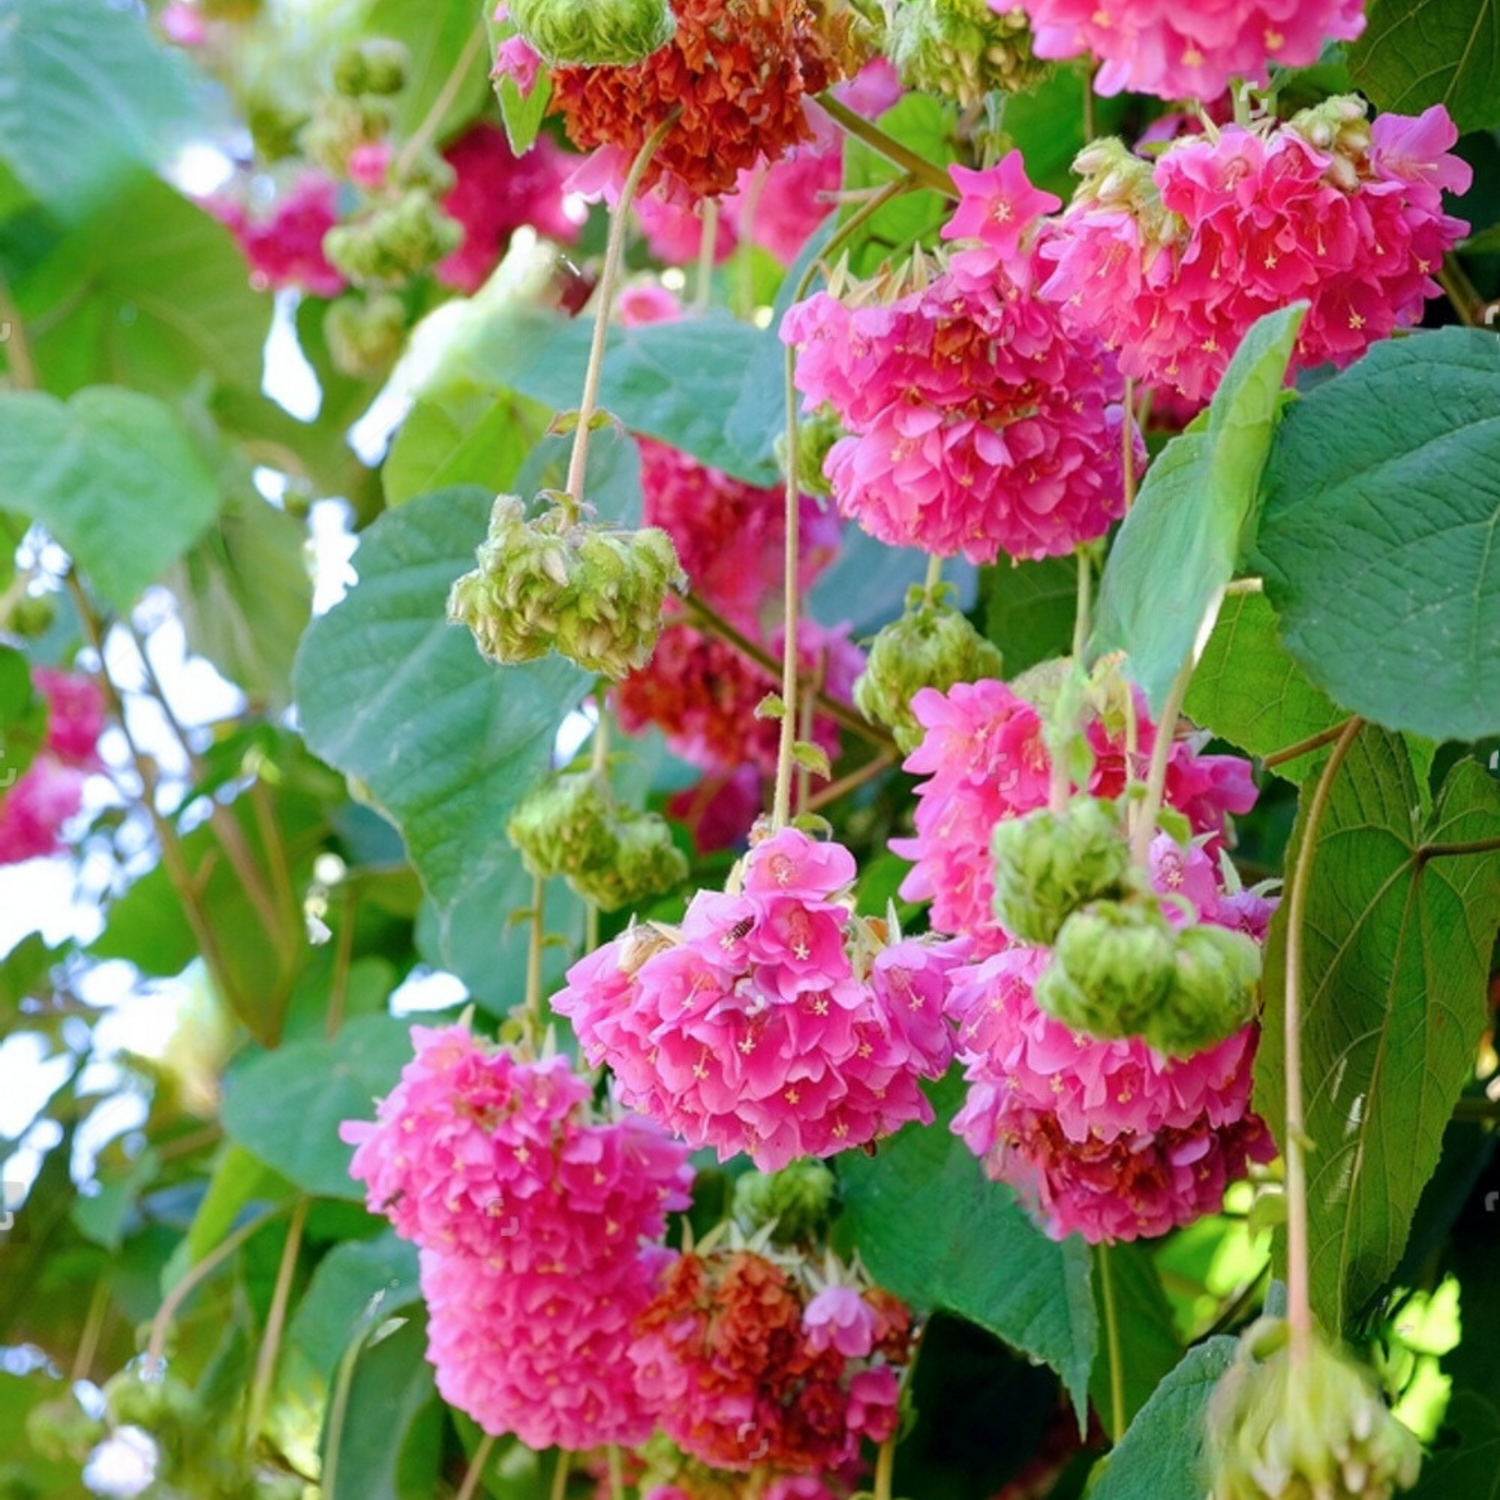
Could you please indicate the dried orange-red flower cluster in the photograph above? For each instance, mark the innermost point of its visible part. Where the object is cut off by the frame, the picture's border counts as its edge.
(730, 1361)
(738, 69)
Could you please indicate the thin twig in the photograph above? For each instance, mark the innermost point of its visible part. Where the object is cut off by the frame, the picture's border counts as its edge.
(925, 172)
(270, 1344)
(432, 121)
(1304, 747)
(852, 782)
(470, 1487)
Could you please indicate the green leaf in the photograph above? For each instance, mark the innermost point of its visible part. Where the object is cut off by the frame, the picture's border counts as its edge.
(935, 1231)
(108, 93)
(245, 597)
(1378, 542)
(357, 1285)
(443, 741)
(481, 441)
(1147, 1332)
(1471, 1468)
(1396, 966)
(1251, 693)
(113, 475)
(239, 1179)
(23, 717)
(1161, 1456)
(1029, 610)
(390, 1445)
(1417, 53)
(149, 292)
(286, 1106)
(1179, 545)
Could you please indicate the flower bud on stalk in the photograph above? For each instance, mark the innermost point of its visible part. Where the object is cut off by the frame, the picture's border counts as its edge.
(1314, 1432)
(962, 49)
(590, 593)
(1111, 968)
(798, 1201)
(365, 334)
(1048, 865)
(1212, 995)
(931, 645)
(565, 825)
(645, 863)
(375, 66)
(594, 33)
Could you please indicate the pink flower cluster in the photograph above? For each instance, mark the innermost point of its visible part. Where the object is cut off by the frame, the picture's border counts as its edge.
(979, 420)
(772, 1022)
(1106, 1138)
(1187, 51)
(538, 1229)
(50, 791)
(496, 192)
(984, 760)
(1170, 264)
(284, 242)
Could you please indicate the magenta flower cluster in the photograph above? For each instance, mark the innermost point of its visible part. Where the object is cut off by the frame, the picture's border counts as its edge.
(773, 1022)
(1170, 264)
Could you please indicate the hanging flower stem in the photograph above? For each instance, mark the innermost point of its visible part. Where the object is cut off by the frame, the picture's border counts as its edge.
(470, 1487)
(614, 256)
(1299, 1304)
(924, 173)
(781, 805)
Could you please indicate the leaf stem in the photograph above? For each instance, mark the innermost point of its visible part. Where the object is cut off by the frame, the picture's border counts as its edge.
(194, 1277)
(1112, 1340)
(1458, 850)
(338, 991)
(1304, 747)
(432, 121)
(1299, 1303)
(614, 255)
(470, 1487)
(852, 782)
(926, 173)
(531, 1007)
(270, 1344)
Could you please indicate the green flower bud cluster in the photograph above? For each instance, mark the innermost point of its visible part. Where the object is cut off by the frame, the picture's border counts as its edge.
(1341, 127)
(931, 645)
(591, 593)
(394, 241)
(62, 1432)
(798, 1201)
(961, 49)
(1316, 1432)
(1048, 864)
(817, 432)
(376, 65)
(613, 856)
(1120, 968)
(594, 33)
(365, 334)
(340, 126)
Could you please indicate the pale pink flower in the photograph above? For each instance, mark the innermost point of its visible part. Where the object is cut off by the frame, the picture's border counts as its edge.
(839, 1318)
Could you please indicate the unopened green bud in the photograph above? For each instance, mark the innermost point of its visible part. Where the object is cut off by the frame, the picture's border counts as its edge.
(375, 66)
(591, 593)
(395, 241)
(931, 645)
(61, 1431)
(134, 1400)
(365, 335)
(1339, 125)
(1048, 864)
(31, 616)
(817, 432)
(565, 825)
(339, 126)
(798, 1201)
(594, 33)
(1111, 968)
(645, 863)
(1212, 994)
(1315, 1431)
(962, 49)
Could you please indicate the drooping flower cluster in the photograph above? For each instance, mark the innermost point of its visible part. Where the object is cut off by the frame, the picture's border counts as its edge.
(979, 420)
(494, 193)
(283, 239)
(1171, 262)
(538, 1228)
(748, 1370)
(50, 791)
(773, 1022)
(738, 70)
(1107, 1138)
(1188, 51)
(985, 760)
